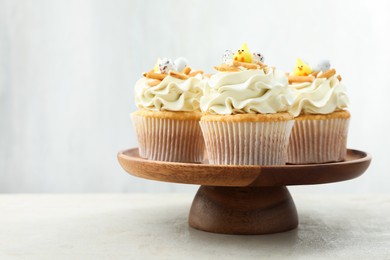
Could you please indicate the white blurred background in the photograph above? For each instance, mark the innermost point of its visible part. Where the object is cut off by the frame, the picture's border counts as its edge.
(67, 71)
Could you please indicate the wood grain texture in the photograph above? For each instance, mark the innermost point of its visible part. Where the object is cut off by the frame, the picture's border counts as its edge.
(242, 176)
(235, 199)
(244, 211)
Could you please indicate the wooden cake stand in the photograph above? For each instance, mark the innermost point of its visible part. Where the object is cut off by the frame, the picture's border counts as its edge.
(235, 199)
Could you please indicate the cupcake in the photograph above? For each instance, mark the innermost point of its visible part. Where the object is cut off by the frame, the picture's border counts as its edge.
(320, 131)
(167, 123)
(245, 105)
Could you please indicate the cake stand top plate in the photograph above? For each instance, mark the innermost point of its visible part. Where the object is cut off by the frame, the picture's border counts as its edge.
(241, 175)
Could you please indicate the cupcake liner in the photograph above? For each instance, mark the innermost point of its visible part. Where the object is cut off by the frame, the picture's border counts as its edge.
(247, 143)
(164, 139)
(318, 141)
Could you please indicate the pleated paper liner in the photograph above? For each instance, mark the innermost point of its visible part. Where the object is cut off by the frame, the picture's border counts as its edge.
(247, 143)
(167, 139)
(318, 141)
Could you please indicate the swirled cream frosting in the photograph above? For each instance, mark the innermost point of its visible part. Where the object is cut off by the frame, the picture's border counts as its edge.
(171, 94)
(322, 96)
(247, 91)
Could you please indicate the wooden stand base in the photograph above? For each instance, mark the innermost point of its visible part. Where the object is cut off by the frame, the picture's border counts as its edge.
(244, 199)
(243, 210)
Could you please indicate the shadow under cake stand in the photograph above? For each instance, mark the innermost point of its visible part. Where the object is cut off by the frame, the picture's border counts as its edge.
(239, 199)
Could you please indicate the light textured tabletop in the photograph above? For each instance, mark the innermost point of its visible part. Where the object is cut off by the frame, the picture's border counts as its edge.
(144, 226)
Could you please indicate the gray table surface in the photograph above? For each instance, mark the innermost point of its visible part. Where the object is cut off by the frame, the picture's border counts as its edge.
(147, 226)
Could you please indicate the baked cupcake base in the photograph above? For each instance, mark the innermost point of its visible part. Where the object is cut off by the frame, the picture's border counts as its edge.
(247, 139)
(319, 138)
(169, 136)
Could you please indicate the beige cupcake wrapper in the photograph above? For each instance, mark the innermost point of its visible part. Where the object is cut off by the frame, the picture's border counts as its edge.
(247, 143)
(318, 141)
(164, 139)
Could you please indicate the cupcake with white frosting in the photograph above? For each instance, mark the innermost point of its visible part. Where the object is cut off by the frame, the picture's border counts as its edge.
(167, 123)
(321, 124)
(246, 119)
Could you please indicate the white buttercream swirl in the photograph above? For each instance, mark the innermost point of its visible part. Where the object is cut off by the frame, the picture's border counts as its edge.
(247, 91)
(322, 96)
(171, 94)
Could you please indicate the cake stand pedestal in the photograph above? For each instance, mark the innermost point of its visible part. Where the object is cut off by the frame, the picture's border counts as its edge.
(240, 199)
